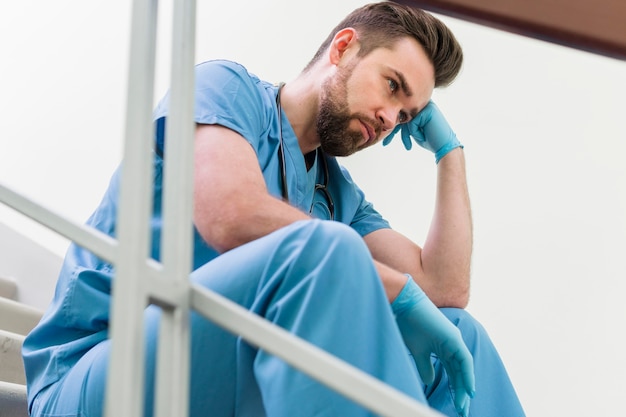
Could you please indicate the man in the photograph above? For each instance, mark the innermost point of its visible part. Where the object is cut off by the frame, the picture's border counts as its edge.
(264, 169)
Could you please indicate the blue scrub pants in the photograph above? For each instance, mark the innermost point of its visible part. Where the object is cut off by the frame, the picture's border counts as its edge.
(315, 278)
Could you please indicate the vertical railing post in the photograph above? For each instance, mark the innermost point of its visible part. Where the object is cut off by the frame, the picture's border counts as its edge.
(176, 245)
(125, 385)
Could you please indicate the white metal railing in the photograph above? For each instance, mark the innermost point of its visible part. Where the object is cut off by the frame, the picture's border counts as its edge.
(140, 280)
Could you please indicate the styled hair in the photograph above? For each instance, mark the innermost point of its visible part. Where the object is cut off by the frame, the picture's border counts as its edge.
(382, 24)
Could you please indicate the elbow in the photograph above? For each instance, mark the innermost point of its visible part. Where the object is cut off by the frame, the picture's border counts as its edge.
(220, 232)
(460, 299)
(219, 239)
(453, 295)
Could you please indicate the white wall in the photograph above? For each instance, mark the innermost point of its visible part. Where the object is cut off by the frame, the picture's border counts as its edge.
(544, 134)
(34, 268)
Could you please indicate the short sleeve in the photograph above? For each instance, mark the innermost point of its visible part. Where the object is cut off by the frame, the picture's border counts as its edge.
(351, 206)
(366, 218)
(227, 95)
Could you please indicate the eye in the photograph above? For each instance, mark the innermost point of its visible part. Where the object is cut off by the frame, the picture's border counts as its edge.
(393, 85)
(403, 117)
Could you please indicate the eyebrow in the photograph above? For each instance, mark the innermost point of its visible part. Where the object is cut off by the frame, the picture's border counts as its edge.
(405, 87)
(407, 91)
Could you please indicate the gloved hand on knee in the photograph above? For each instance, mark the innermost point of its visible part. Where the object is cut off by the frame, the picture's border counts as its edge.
(430, 130)
(425, 329)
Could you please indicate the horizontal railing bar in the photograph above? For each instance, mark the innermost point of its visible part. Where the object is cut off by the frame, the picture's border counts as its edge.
(319, 364)
(162, 292)
(99, 243)
(168, 294)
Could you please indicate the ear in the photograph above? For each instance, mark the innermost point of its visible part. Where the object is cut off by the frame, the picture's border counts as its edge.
(345, 40)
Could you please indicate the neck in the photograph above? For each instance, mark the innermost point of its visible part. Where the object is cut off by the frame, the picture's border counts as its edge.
(299, 100)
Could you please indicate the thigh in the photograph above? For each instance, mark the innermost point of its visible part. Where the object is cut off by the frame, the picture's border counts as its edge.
(238, 273)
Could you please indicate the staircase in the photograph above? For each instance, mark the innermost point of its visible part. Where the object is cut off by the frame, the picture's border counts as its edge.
(16, 320)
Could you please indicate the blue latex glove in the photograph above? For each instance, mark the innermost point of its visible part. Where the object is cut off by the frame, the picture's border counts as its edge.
(425, 329)
(430, 130)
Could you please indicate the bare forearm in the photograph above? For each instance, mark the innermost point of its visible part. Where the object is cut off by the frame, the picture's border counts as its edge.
(446, 255)
(245, 222)
(442, 267)
(393, 281)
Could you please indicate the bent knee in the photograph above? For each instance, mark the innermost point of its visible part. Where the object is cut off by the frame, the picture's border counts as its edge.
(334, 247)
(326, 237)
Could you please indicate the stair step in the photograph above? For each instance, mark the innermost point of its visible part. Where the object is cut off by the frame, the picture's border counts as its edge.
(17, 317)
(16, 320)
(8, 287)
(11, 364)
(13, 401)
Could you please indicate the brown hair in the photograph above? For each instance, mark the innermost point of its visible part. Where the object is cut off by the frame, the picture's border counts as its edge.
(382, 24)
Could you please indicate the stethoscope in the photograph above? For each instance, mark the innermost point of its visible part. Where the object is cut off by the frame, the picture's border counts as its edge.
(321, 158)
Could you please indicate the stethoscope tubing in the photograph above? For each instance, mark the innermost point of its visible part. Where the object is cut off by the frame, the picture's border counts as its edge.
(283, 166)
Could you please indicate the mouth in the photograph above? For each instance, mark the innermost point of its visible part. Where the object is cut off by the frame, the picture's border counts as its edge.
(369, 133)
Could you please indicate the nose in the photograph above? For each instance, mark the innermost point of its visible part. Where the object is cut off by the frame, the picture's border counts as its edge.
(388, 116)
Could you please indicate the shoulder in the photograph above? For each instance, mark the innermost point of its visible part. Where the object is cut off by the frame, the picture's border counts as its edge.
(224, 74)
(222, 66)
(230, 84)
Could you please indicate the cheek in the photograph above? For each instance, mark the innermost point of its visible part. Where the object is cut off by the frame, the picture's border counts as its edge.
(361, 96)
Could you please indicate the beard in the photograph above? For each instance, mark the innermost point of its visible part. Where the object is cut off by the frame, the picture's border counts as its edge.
(333, 120)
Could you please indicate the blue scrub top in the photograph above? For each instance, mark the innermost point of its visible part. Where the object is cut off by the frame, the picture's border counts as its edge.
(226, 94)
